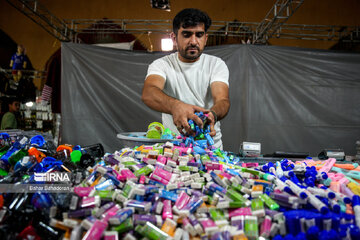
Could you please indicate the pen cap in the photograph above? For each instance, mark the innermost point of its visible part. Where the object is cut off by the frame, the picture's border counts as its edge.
(356, 200)
(354, 232)
(312, 233)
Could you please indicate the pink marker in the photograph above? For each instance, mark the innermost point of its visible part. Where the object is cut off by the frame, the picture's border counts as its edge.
(245, 211)
(343, 182)
(111, 235)
(162, 173)
(162, 159)
(111, 212)
(249, 165)
(182, 200)
(159, 179)
(328, 165)
(335, 186)
(127, 173)
(90, 202)
(228, 176)
(96, 231)
(83, 191)
(167, 211)
(209, 226)
(265, 227)
(142, 179)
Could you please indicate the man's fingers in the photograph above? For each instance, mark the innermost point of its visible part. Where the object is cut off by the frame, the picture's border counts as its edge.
(212, 130)
(198, 121)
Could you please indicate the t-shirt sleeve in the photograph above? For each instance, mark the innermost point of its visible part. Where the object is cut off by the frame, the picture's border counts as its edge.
(220, 72)
(157, 68)
(8, 121)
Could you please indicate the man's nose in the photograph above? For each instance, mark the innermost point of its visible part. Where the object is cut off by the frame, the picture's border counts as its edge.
(193, 39)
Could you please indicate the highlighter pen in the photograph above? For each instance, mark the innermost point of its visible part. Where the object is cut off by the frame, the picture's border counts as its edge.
(265, 227)
(251, 227)
(257, 207)
(168, 195)
(195, 223)
(125, 226)
(167, 211)
(181, 202)
(169, 227)
(103, 209)
(270, 203)
(141, 205)
(121, 216)
(96, 231)
(111, 235)
(188, 227)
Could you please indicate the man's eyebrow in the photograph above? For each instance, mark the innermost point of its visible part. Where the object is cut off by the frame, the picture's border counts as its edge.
(187, 31)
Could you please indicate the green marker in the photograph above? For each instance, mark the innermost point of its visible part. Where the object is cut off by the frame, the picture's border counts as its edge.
(125, 226)
(269, 202)
(3, 150)
(144, 171)
(251, 227)
(235, 196)
(218, 216)
(105, 194)
(129, 163)
(257, 207)
(188, 168)
(13, 159)
(151, 232)
(241, 188)
(227, 204)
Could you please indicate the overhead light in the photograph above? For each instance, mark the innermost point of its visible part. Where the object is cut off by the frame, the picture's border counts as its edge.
(161, 4)
(29, 104)
(167, 44)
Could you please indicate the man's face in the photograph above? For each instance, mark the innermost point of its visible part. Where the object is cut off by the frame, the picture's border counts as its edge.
(14, 107)
(20, 49)
(190, 42)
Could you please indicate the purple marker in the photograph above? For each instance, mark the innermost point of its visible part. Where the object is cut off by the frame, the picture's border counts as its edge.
(193, 220)
(78, 213)
(143, 219)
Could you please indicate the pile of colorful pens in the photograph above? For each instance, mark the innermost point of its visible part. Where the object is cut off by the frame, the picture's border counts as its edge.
(168, 191)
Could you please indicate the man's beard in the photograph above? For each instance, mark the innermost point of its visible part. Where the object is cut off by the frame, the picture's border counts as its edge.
(186, 53)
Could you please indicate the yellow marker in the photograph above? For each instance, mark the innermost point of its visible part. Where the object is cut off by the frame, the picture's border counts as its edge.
(169, 227)
(257, 188)
(354, 188)
(240, 237)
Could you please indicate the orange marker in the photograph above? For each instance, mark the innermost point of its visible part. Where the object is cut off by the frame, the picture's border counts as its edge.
(37, 154)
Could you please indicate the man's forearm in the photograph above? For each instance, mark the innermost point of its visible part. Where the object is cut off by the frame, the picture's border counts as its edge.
(157, 100)
(221, 108)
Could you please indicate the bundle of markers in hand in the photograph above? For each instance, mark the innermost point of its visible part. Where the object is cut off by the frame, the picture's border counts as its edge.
(200, 133)
(189, 191)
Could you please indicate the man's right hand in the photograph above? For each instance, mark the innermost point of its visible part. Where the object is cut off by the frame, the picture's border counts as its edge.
(182, 113)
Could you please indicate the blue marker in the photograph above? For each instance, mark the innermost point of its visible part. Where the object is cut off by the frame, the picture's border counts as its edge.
(168, 195)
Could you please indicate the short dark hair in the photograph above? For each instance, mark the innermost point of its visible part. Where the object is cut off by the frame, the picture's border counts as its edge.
(11, 100)
(190, 17)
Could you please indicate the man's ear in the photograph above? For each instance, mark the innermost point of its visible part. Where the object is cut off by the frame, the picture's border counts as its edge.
(173, 37)
(206, 38)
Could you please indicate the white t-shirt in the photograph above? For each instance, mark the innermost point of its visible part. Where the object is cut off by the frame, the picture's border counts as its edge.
(190, 83)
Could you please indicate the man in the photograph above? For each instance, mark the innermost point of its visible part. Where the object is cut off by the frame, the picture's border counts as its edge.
(18, 62)
(187, 81)
(9, 119)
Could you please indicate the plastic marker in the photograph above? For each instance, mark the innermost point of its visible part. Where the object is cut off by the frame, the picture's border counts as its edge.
(356, 207)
